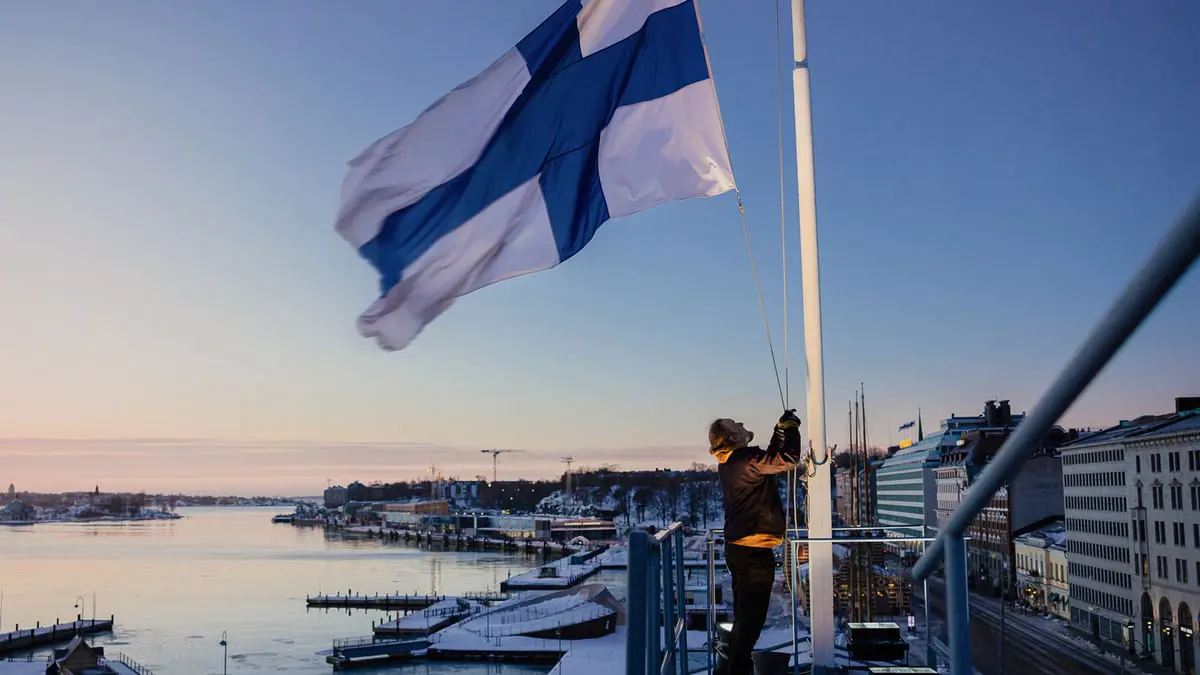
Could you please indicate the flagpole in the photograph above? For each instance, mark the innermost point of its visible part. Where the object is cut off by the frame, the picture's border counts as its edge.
(820, 525)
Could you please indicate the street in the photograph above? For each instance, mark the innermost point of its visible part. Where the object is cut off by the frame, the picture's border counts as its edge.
(1029, 646)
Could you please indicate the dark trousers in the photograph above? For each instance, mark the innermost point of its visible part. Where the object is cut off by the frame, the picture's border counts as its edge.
(753, 571)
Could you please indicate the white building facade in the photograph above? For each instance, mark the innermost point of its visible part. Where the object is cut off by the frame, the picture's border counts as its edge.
(1041, 565)
(1132, 498)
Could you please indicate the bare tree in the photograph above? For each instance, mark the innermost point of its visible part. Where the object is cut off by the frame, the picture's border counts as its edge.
(641, 499)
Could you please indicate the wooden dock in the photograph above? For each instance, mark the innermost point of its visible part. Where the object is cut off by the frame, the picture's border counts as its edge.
(41, 636)
(395, 602)
(398, 602)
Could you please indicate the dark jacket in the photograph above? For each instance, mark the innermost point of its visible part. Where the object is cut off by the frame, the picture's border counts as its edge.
(750, 491)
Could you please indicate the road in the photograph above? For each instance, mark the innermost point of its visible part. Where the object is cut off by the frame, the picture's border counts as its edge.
(1029, 647)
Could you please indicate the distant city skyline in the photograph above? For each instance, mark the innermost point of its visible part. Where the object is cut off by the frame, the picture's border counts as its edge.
(988, 178)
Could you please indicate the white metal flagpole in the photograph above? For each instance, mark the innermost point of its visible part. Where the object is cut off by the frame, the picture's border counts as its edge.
(820, 525)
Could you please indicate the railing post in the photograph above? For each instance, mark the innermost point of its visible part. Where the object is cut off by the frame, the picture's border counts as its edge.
(639, 606)
(681, 602)
(712, 599)
(666, 560)
(958, 618)
(654, 639)
(794, 553)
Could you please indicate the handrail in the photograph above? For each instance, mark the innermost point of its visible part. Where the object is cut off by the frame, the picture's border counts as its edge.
(1177, 251)
(657, 605)
(1174, 255)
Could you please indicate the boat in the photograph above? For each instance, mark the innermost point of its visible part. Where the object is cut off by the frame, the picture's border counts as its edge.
(283, 518)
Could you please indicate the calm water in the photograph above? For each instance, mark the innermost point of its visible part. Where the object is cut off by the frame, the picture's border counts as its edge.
(175, 585)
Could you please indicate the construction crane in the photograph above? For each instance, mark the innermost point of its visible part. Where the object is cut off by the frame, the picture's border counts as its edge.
(568, 461)
(495, 459)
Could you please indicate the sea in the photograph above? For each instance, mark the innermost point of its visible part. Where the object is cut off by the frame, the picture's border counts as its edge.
(176, 586)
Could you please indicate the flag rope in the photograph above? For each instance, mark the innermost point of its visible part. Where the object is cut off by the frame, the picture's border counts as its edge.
(787, 385)
(783, 399)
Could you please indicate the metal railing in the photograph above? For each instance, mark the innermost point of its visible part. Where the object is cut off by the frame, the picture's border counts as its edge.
(797, 537)
(1175, 254)
(130, 664)
(656, 604)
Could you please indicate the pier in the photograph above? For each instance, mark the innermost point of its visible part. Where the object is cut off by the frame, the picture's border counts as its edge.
(456, 540)
(562, 573)
(41, 636)
(436, 617)
(353, 651)
(397, 602)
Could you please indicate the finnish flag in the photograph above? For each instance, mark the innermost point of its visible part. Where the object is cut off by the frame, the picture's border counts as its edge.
(605, 109)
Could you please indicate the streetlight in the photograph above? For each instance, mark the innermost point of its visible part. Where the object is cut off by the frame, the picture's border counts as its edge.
(81, 605)
(225, 646)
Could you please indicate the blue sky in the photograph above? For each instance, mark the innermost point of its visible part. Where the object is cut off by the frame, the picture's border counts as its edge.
(988, 177)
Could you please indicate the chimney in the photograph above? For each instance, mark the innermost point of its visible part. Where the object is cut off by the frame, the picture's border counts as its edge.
(1005, 414)
(991, 416)
(1187, 403)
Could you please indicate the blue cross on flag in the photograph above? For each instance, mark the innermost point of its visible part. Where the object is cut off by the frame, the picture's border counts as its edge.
(606, 109)
(907, 425)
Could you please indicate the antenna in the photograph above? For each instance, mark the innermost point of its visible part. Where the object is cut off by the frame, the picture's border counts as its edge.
(568, 461)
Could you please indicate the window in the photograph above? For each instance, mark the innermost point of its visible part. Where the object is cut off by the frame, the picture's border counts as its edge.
(1156, 496)
(1196, 535)
(1195, 490)
(1161, 564)
(1160, 532)
(1178, 534)
(1137, 463)
(1177, 497)
(1176, 464)
(1156, 463)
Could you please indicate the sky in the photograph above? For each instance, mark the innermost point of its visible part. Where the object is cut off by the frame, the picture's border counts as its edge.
(177, 312)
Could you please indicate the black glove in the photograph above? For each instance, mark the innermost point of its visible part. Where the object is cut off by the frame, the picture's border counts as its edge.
(788, 420)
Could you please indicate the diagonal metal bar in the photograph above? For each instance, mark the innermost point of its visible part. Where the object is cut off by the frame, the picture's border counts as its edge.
(1174, 255)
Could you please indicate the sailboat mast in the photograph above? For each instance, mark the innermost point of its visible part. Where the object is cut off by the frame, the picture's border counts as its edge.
(820, 520)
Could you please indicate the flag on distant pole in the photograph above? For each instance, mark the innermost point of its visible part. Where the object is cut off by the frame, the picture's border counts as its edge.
(907, 425)
(600, 112)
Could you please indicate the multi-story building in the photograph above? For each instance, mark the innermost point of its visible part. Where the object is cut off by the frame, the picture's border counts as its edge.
(335, 496)
(906, 483)
(1040, 557)
(1132, 497)
(1030, 499)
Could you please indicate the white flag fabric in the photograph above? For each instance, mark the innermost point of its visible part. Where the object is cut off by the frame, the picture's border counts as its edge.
(605, 109)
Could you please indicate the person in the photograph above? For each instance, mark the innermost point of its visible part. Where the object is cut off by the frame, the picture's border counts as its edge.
(754, 524)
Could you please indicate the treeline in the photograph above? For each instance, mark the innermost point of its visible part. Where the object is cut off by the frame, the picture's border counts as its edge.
(664, 495)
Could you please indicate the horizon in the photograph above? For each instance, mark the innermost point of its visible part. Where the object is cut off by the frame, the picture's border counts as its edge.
(182, 310)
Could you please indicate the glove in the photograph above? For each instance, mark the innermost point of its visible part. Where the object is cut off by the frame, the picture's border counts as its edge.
(787, 424)
(788, 420)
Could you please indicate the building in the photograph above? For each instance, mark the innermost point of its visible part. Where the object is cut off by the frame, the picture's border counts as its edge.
(336, 496)
(1033, 497)
(1040, 557)
(424, 507)
(1132, 497)
(906, 483)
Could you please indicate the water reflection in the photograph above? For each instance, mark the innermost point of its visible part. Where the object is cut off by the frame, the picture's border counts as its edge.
(175, 585)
